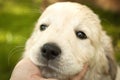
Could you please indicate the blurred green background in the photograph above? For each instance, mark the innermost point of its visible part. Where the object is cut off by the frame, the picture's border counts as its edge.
(17, 20)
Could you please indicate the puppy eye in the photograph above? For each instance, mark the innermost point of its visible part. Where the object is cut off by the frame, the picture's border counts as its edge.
(43, 27)
(81, 35)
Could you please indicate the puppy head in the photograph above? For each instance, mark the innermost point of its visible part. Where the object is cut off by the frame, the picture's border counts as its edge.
(71, 32)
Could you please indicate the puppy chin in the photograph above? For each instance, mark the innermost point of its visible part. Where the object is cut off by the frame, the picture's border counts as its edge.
(50, 73)
(59, 73)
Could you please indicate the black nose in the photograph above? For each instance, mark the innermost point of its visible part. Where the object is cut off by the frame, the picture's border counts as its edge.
(50, 51)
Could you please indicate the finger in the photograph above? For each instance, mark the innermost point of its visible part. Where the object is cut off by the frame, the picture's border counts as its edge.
(24, 70)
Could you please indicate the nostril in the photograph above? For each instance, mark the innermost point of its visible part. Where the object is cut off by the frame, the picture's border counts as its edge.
(43, 50)
(50, 51)
(54, 53)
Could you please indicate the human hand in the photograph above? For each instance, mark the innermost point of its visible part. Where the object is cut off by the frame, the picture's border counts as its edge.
(26, 70)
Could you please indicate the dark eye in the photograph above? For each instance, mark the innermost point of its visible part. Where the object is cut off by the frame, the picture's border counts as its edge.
(81, 35)
(43, 27)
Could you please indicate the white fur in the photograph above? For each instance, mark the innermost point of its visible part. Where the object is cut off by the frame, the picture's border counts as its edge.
(63, 20)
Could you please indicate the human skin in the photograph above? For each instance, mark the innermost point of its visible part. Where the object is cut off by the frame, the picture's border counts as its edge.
(26, 70)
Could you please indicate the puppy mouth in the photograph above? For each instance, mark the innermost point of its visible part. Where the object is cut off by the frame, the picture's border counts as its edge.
(52, 70)
(47, 68)
(49, 65)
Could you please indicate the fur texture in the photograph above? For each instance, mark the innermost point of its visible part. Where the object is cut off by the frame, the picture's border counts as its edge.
(63, 20)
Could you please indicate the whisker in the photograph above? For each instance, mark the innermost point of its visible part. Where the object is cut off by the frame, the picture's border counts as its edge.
(13, 51)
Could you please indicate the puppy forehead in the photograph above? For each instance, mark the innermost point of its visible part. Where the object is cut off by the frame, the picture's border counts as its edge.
(67, 11)
(63, 7)
(62, 12)
(71, 14)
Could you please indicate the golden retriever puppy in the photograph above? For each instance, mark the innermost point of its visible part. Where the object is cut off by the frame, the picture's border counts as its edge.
(66, 37)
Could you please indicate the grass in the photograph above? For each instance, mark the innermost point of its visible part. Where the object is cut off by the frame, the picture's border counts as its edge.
(16, 23)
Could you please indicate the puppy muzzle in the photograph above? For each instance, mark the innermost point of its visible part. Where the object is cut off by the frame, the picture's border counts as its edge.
(50, 51)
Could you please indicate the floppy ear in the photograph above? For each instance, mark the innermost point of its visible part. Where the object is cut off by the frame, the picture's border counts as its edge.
(108, 50)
